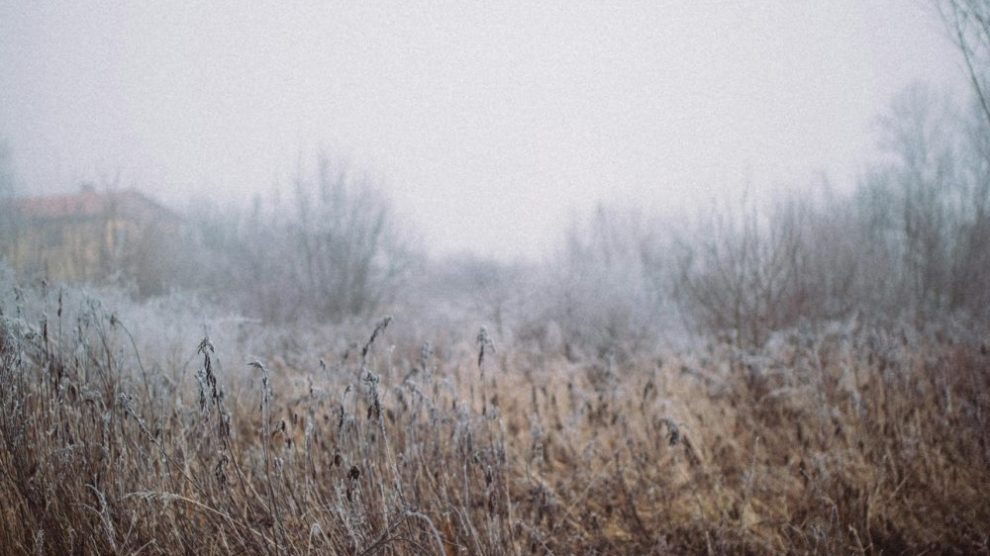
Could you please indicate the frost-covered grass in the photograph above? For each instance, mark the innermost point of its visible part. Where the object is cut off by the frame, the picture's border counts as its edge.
(166, 427)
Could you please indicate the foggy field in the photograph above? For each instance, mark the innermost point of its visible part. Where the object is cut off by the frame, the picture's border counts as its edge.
(125, 430)
(512, 279)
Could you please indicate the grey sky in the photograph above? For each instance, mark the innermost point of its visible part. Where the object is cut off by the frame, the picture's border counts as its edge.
(489, 124)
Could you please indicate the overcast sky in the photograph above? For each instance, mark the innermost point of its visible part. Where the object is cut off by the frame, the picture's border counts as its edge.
(490, 124)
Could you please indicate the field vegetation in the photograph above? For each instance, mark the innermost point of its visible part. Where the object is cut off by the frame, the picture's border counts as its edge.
(128, 429)
(808, 374)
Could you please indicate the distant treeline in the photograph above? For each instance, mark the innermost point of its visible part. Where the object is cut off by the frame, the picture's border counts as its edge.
(911, 238)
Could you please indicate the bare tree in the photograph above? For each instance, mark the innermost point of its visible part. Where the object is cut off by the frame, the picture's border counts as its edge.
(921, 166)
(8, 214)
(350, 253)
(968, 25)
(733, 281)
(336, 250)
(745, 274)
(607, 288)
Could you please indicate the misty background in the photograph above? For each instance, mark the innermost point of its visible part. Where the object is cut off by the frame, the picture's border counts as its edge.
(581, 180)
(543, 278)
(492, 128)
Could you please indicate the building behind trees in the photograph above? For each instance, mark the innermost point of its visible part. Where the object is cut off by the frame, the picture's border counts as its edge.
(91, 236)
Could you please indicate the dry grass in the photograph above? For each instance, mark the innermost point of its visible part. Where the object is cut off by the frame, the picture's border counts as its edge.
(854, 441)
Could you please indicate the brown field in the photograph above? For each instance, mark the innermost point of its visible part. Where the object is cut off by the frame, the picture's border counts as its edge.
(672, 278)
(851, 440)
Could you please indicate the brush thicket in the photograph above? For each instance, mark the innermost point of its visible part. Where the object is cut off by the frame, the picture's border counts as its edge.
(858, 441)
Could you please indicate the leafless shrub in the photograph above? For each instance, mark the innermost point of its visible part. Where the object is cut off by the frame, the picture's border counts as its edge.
(606, 290)
(336, 251)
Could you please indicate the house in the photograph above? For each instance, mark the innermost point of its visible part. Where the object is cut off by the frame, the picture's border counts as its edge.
(91, 236)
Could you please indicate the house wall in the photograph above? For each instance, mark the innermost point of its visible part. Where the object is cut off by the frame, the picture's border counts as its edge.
(61, 250)
(129, 236)
(86, 249)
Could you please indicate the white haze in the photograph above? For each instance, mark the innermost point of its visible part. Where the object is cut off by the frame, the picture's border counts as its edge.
(491, 126)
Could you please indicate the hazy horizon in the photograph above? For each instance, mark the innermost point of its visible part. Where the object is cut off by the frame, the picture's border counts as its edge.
(490, 128)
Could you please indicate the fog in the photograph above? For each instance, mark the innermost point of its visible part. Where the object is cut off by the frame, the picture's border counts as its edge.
(536, 278)
(490, 127)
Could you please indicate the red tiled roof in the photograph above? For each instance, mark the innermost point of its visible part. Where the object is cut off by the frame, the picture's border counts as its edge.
(88, 204)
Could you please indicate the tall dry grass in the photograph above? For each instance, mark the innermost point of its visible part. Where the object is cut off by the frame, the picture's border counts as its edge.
(863, 439)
